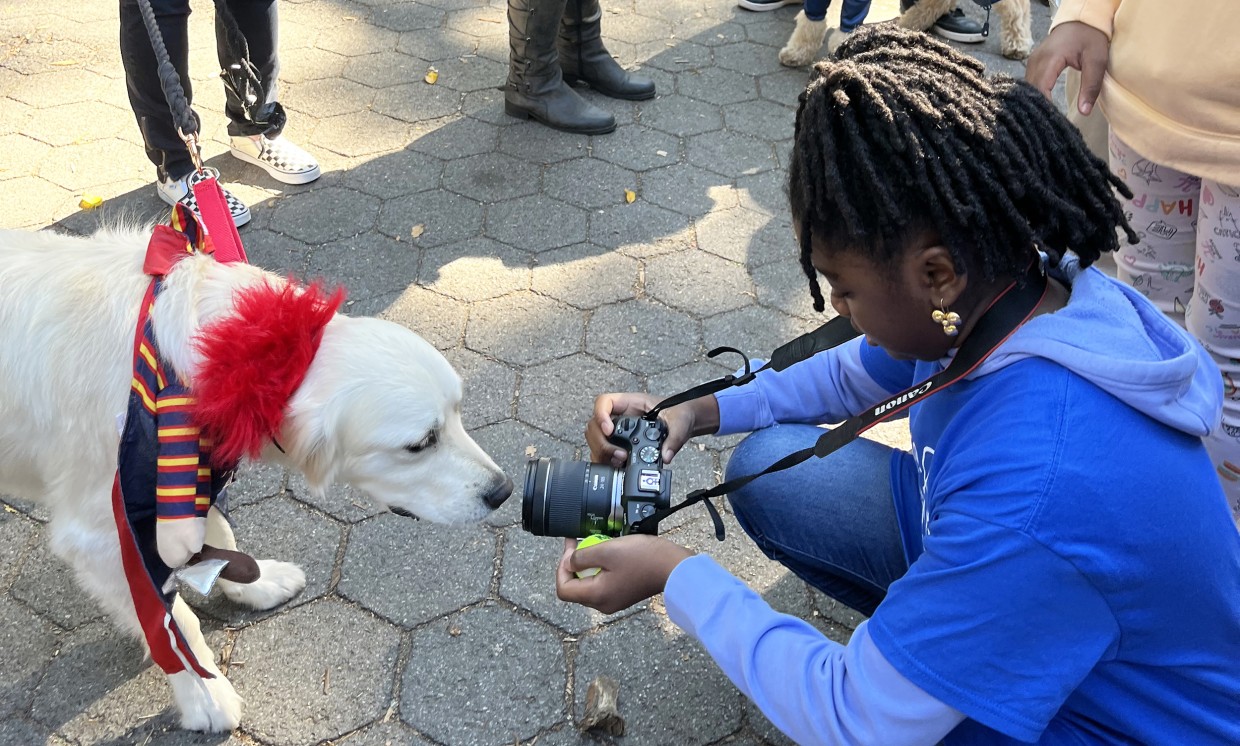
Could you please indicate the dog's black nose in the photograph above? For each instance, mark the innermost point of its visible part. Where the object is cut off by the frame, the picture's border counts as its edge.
(497, 496)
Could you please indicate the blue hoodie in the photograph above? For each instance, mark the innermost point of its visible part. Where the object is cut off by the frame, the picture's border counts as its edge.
(1074, 570)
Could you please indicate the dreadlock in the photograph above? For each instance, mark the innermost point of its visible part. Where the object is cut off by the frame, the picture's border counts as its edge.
(901, 134)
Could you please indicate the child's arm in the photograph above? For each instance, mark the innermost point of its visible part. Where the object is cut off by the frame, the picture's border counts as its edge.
(829, 387)
(820, 692)
(1080, 38)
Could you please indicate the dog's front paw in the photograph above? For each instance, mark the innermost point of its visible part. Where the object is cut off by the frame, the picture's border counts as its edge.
(277, 582)
(796, 56)
(1015, 51)
(207, 705)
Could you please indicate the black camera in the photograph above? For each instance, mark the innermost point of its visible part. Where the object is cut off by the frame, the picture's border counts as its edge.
(579, 498)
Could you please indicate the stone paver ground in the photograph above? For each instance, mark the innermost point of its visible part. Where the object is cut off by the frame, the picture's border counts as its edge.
(509, 246)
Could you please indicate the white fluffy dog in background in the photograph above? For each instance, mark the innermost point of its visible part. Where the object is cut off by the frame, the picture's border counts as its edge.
(378, 408)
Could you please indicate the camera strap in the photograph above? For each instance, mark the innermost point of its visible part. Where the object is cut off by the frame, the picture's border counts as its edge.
(1009, 310)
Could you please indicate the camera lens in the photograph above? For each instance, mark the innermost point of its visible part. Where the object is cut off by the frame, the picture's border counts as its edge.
(571, 498)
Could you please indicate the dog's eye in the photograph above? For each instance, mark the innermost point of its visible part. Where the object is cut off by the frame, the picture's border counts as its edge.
(431, 439)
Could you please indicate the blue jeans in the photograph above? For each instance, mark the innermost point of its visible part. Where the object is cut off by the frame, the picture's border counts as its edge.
(852, 14)
(832, 520)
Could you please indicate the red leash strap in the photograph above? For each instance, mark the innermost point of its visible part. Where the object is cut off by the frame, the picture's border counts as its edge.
(218, 222)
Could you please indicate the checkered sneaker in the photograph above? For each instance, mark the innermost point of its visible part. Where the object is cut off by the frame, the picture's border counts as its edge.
(182, 190)
(282, 159)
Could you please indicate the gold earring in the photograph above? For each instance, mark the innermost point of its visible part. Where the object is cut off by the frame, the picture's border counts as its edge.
(949, 319)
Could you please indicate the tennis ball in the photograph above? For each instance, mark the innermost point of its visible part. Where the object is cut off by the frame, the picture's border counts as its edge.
(590, 541)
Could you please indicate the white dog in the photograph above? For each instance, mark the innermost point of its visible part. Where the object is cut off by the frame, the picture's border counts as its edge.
(378, 408)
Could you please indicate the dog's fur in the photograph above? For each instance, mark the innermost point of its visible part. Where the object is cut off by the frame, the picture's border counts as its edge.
(1015, 23)
(1015, 33)
(68, 312)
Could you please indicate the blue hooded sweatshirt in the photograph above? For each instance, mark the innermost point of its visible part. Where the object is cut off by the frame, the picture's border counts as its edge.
(1074, 569)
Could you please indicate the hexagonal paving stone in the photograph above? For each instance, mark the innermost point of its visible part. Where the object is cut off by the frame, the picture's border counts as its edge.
(730, 285)
(585, 275)
(20, 155)
(529, 582)
(636, 224)
(783, 87)
(444, 217)
(489, 388)
(439, 320)
(716, 86)
(254, 482)
(761, 119)
(478, 22)
(358, 38)
(475, 269)
(536, 223)
(754, 330)
(783, 285)
(411, 571)
(730, 153)
(488, 106)
(638, 148)
(764, 193)
(304, 538)
(689, 190)
(712, 28)
(671, 689)
(17, 537)
(417, 102)
(311, 64)
(675, 56)
(524, 328)
(744, 236)
(643, 336)
(368, 264)
(543, 145)
(64, 86)
(27, 643)
(770, 32)
(384, 69)
(328, 97)
(491, 177)
(100, 689)
(360, 133)
(747, 57)
(456, 137)
(558, 396)
(680, 116)
(513, 444)
(486, 675)
(386, 734)
(47, 585)
(408, 17)
(470, 73)
(83, 167)
(21, 732)
(32, 202)
(395, 174)
(589, 183)
(436, 43)
(314, 673)
(306, 220)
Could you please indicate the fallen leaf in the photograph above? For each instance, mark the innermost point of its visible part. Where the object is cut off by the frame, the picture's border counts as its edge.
(454, 630)
(65, 63)
(629, 196)
(432, 76)
(418, 230)
(661, 153)
(90, 201)
(530, 452)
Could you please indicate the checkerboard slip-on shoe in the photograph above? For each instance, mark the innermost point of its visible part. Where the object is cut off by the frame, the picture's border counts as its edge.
(181, 190)
(959, 27)
(761, 5)
(282, 159)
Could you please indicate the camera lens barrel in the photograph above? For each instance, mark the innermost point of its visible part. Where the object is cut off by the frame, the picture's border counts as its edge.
(571, 498)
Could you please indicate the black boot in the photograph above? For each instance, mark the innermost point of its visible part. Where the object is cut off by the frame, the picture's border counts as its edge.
(583, 56)
(536, 87)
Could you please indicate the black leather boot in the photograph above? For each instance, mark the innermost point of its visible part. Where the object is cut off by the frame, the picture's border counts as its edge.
(583, 56)
(536, 87)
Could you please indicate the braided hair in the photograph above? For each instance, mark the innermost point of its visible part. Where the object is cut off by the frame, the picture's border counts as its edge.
(901, 135)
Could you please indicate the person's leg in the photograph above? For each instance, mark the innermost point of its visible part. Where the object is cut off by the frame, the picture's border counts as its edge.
(852, 14)
(255, 127)
(258, 23)
(832, 521)
(164, 146)
(1213, 317)
(584, 57)
(1162, 212)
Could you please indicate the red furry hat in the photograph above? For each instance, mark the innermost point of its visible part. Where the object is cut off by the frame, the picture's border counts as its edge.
(252, 362)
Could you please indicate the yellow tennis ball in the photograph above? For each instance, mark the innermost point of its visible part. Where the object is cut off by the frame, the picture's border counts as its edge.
(590, 541)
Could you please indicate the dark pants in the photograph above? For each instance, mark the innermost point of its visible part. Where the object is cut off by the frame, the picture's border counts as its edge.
(257, 20)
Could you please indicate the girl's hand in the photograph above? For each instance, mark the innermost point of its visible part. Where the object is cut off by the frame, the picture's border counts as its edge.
(697, 417)
(1076, 45)
(634, 568)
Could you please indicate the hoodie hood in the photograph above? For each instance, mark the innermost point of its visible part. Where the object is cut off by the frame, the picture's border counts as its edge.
(1116, 338)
